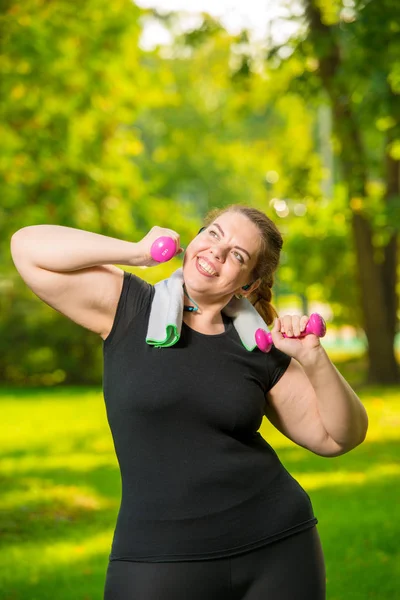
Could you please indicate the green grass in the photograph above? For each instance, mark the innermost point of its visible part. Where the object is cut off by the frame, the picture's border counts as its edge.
(60, 490)
(356, 500)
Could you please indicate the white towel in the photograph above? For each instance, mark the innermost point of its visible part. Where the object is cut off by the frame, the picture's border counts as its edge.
(165, 322)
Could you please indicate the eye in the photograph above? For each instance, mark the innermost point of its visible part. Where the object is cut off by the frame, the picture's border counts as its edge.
(239, 257)
(213, 233)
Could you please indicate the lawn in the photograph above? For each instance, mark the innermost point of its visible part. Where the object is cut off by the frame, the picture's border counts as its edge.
(60, 490)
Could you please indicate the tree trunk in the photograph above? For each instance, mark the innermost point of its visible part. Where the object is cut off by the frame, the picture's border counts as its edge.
(389, 266)
(377, 280)
(377, 318)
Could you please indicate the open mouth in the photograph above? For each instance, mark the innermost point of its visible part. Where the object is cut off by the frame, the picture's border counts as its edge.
(205, 268)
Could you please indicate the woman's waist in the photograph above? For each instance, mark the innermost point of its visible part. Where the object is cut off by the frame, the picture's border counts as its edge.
(181, 496)
(195, 525)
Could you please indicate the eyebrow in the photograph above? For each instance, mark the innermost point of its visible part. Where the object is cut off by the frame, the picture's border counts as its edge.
(223, 235)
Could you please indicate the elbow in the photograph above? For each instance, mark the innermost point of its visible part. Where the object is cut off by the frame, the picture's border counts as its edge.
(24, 233)
(16, 248)
(363, 425)
(332, 448)
(18, 245)
(15, 244)
(359, 438)
(337, 450)
(354, 443)
(16, 239)
(360, 431)
(19, 233)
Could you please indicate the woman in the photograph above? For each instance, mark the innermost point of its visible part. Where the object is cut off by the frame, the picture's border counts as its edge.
(208, 511)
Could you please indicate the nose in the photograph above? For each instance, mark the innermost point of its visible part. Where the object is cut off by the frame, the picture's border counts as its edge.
(219, 252)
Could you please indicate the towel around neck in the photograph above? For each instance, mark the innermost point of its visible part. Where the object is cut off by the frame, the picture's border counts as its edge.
(165, 322)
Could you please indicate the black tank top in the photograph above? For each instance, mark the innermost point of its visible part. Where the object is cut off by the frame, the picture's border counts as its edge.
(198, 479)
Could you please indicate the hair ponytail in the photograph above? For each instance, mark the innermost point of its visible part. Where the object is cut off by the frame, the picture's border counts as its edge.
(261, 300)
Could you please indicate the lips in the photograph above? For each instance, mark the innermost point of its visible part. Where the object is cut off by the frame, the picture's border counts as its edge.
(206, 267)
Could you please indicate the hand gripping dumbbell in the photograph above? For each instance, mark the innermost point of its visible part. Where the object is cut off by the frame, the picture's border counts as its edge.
(315, 325)
(163, 249)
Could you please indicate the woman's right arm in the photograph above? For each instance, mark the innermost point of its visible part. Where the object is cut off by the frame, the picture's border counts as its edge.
(73, 270)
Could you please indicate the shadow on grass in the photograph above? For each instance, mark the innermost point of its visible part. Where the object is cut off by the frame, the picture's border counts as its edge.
(358, 529)
(71, 495)
(369, 455)
(60, 505)
(81, 579)
(66, 497)
(70, 392)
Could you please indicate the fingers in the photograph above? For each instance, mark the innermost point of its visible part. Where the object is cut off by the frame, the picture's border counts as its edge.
(157, 232)
(303, 322)
(293, 325)
(277, 326)
(276, 330)
(176, 237)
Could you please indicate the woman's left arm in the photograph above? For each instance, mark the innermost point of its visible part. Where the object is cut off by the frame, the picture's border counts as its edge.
(312, 403)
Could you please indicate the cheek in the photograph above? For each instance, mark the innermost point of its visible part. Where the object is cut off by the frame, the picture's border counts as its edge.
(191, 250)
(194, 248)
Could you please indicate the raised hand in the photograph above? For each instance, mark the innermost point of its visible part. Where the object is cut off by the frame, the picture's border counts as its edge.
(293, 334)
(159, 245)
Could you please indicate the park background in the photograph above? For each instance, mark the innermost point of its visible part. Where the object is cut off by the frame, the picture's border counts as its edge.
(117, 116)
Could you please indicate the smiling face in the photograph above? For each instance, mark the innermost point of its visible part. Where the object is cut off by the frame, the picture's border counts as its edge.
(220, 260)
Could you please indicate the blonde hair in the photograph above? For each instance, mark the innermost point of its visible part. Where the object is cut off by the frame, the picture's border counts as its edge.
(268, 256)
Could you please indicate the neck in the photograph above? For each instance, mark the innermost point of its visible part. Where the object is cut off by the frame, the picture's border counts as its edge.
(193, 306)
(201, 311)
(208, 323)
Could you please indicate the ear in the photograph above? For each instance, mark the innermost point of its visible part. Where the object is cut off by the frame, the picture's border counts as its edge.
(246, 292)
(253, 286)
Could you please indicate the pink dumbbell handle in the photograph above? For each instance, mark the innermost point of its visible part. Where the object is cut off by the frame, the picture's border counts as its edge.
(163, 249)
(315, 325)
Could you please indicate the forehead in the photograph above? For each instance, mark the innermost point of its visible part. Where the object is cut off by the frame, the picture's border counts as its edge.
(244, 231)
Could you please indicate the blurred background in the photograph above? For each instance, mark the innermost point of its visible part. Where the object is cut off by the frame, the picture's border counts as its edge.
(117, 116)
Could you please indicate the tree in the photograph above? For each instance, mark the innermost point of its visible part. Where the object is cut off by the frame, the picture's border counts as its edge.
(348, 54)
(227, 127)
(338, 57)
(70, 93)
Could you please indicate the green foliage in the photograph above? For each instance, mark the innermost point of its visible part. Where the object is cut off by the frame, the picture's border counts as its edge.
(61, 489)
(101, 135)
(70, 77)
(318, 260)
(70, 96)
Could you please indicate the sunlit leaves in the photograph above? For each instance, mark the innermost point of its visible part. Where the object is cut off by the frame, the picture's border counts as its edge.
(71, 76)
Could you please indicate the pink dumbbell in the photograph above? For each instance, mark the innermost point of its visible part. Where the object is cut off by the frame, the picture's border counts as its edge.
(315, 325)
(163, 249)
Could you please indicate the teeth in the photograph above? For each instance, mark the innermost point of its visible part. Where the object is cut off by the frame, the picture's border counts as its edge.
(204, 265)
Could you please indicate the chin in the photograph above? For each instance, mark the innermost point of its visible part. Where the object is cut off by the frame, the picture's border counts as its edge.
(192, 277)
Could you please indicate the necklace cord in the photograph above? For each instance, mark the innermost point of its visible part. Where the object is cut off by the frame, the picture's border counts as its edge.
(194, 308)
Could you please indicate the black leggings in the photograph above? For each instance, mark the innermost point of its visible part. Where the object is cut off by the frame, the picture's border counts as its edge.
(290, 569)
